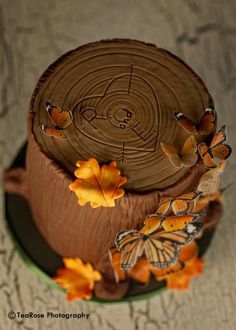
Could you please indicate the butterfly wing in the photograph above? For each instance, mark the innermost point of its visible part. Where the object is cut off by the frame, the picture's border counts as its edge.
(151, 224)
(172, 154)
(207, 123)
(221, 151)
(181, 236)
(185, 123)
(130, 244)
(53, 132)
(60, 118)
(164, 205)
(206, 156)
(188, 152)
(162, 248)
(181, 204)
(130, 254)
(161, 253)
(219, 137)
(174, 223)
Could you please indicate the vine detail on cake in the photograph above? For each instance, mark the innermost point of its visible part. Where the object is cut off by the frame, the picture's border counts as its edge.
(177, 276)
(97, 186)
(77, 278)
(60, 120)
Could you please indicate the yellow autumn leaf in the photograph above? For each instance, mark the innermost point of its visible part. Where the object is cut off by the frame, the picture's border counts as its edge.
(99, 186)
(77, 278)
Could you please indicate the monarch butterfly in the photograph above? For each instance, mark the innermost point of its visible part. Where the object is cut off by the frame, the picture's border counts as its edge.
(216, 149)
(206, 125)
(60, 118)
(170, 223)
(160, 248)
(179, 204)
(186, 156)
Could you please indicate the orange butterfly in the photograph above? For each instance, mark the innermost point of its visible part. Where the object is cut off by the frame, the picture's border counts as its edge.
(216, 149)
(154, 222)
(186, 157)
(206, 125)
(60, 118)
(179, 204)
(51, 131)
(160, 248)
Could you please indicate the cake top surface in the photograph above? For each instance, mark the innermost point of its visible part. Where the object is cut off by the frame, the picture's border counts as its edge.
(123, 95)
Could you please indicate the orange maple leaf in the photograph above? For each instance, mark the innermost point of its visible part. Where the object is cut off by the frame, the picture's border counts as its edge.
(182, 279)
(77, 278)
(99, 186)
(193, 266)
(140, 272)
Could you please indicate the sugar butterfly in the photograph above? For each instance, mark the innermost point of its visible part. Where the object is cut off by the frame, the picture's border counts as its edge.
(155, 221)
(206, 125)
(179, 205)
(161, 248)
(216, 149)
(186, 156)
(60, 119)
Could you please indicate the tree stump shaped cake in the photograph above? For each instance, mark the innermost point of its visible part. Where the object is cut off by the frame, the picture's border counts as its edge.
(122, 96)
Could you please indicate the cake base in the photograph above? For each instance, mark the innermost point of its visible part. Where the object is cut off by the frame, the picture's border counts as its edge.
(41, 258)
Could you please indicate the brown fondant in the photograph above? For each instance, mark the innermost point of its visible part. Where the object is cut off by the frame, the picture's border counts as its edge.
(123, 95)
(75, 231)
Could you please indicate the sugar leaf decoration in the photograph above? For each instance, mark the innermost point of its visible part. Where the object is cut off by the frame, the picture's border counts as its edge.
(77, 278)
(97, 186)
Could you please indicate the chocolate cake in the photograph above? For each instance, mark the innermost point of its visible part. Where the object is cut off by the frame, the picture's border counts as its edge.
(123, 95)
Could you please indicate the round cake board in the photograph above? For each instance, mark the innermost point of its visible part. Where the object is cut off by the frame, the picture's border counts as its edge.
(40, 257)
